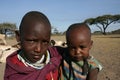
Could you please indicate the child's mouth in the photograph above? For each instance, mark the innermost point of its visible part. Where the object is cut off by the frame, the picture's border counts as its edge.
(78, 57)
(36, 57)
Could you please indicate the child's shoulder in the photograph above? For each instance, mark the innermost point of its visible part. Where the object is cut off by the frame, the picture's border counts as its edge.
(94, 63)
(54, 52)
(61, 50)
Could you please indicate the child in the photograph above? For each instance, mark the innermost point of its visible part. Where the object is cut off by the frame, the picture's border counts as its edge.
(35, 60)
(77, 64)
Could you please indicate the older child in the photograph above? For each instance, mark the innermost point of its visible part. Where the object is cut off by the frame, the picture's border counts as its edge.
(77, 64)
(35, 60)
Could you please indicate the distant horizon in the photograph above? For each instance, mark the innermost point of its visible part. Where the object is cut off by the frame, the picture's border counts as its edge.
(61, 13)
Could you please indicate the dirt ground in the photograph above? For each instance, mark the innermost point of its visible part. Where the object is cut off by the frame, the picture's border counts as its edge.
(106, 49)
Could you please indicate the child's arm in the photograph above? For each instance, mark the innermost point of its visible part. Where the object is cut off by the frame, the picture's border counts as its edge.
(95, 68)
(92, 75)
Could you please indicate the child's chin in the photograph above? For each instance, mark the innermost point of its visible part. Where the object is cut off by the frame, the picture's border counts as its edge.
(77, 60)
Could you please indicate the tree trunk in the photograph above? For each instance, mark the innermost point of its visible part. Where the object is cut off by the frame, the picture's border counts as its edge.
(104, 31)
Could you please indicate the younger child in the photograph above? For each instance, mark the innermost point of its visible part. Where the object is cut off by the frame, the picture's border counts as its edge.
(77, 64)
(35, 60)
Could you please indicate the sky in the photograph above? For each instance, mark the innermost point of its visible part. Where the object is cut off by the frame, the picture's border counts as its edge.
(61, 13)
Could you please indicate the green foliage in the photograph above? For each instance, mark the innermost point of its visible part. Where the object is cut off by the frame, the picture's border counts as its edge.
(97, 32)
(4, 27)
(116, 31)
(102, 22)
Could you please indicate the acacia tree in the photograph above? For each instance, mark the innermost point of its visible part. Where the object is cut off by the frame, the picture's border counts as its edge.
(4, 27)
(102, 22)
(55, 31)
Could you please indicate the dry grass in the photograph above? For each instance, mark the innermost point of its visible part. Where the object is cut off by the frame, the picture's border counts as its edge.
(105, 48)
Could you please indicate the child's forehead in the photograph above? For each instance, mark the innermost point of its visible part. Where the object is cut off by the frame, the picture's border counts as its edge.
(79, 32)
(31, 18)
(34, 24)
(32, 27)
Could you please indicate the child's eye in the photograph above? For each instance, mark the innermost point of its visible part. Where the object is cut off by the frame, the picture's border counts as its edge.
(45, 42)
(72, 48)
(82, 47)
(30, 41)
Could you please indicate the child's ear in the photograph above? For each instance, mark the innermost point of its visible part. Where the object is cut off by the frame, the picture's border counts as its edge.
(17, 35)
(91, 43)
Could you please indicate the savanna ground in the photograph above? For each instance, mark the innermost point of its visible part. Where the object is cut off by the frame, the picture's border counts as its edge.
(106, 49)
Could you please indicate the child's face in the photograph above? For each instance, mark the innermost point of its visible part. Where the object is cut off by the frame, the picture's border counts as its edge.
(35, 41)
(79, 44)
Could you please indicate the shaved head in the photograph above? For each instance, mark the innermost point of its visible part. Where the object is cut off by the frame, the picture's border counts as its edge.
(81, 28)
(32, 18)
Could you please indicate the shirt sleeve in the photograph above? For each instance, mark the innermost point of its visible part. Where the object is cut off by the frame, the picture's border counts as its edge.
(93, 63)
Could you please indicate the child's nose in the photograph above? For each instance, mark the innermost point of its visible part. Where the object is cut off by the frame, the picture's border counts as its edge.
(38, 47)
(78, 51)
